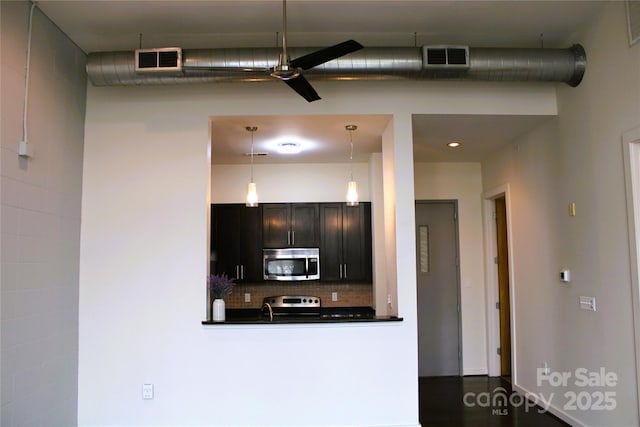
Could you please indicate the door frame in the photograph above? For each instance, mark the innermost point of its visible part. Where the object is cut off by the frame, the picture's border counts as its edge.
(631, 155)
(491, 279)
(454, 202)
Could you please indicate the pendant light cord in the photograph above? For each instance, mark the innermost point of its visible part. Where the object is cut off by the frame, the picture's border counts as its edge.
(252, 156)
(26, 71)
(351, 128)
(351, 154)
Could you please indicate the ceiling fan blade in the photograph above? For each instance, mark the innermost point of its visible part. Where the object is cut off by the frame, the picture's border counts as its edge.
(325, 55)
(303, 88)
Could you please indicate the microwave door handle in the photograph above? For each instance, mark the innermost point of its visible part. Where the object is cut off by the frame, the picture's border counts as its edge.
(306, 267)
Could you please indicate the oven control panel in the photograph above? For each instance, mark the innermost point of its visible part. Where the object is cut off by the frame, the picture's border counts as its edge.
(293, 301)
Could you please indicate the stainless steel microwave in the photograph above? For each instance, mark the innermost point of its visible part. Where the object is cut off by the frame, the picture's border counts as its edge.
(291, 264)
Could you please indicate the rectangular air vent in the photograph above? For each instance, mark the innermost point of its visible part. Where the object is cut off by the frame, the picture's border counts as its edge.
(159, 59)
(445, 56)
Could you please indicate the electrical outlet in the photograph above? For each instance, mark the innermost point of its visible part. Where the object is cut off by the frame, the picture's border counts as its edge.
(247, 297)
(147, 391)
(334, 296)
(388, 298)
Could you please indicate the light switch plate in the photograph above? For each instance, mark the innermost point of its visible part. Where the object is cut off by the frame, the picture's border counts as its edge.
(147, 391)
(588, 303)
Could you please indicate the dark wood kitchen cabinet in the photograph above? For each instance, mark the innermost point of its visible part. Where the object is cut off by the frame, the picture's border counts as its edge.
(236, 241)
(345, 246)
(290, 225)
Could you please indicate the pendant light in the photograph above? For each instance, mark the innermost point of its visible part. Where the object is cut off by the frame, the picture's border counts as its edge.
(352, 186)
(252, 191)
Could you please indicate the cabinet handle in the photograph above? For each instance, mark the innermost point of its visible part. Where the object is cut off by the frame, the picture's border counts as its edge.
(341, 271)
(241, 271)
(293, 238)
(345, 270)
(288, 237)
(237, 272)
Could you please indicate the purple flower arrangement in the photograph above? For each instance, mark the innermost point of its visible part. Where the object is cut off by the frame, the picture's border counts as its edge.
(220, 285)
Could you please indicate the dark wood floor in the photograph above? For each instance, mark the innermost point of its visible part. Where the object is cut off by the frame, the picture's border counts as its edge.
(466, 401)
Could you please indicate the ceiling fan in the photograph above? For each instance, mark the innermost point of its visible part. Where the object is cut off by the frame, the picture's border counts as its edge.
(290, 70)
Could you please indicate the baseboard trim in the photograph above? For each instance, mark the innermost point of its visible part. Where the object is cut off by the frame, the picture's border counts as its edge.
(552, 408)
(475, 371)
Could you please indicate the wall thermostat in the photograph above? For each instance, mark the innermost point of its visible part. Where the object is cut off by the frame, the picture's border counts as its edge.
(565, 276)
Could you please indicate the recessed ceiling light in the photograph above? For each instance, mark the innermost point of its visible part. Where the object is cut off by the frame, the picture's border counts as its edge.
(288, 148)
(288, 144)
(454, 144)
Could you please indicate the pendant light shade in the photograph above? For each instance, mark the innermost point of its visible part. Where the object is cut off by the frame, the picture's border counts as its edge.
(352, 193)
(252, 195)
(352, 186)
(252, 189)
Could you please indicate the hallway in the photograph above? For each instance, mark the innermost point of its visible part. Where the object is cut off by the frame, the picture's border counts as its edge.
(466, 401)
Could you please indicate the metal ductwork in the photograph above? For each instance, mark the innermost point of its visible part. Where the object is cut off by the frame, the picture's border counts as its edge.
(371, 63)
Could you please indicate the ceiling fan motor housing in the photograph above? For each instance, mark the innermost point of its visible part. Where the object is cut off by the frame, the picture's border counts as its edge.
(284, 71)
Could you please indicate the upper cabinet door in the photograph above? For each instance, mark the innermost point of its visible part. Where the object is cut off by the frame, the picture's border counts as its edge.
(275, 229)
(330, 241)
(356, 242)
(290, 225)
(250, 234)
(236, 241)
(304, 225)
(345, 249)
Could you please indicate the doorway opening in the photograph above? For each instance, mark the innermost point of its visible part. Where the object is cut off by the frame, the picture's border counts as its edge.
(504, 304)
(500, 291)
(438, 293)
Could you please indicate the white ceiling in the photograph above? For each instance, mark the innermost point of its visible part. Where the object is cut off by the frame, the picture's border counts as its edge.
(119, 25)
(323, 138)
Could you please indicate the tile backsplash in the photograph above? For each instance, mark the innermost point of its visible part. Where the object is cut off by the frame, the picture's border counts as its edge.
(349, 294)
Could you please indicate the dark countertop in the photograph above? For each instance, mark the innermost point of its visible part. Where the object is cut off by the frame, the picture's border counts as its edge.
(254, 316)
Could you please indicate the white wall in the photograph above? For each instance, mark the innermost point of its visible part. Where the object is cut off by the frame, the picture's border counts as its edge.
(144, 257)
(463, 182)
(577, 158)
(380, 285)
(281, 183)
(40, 227)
